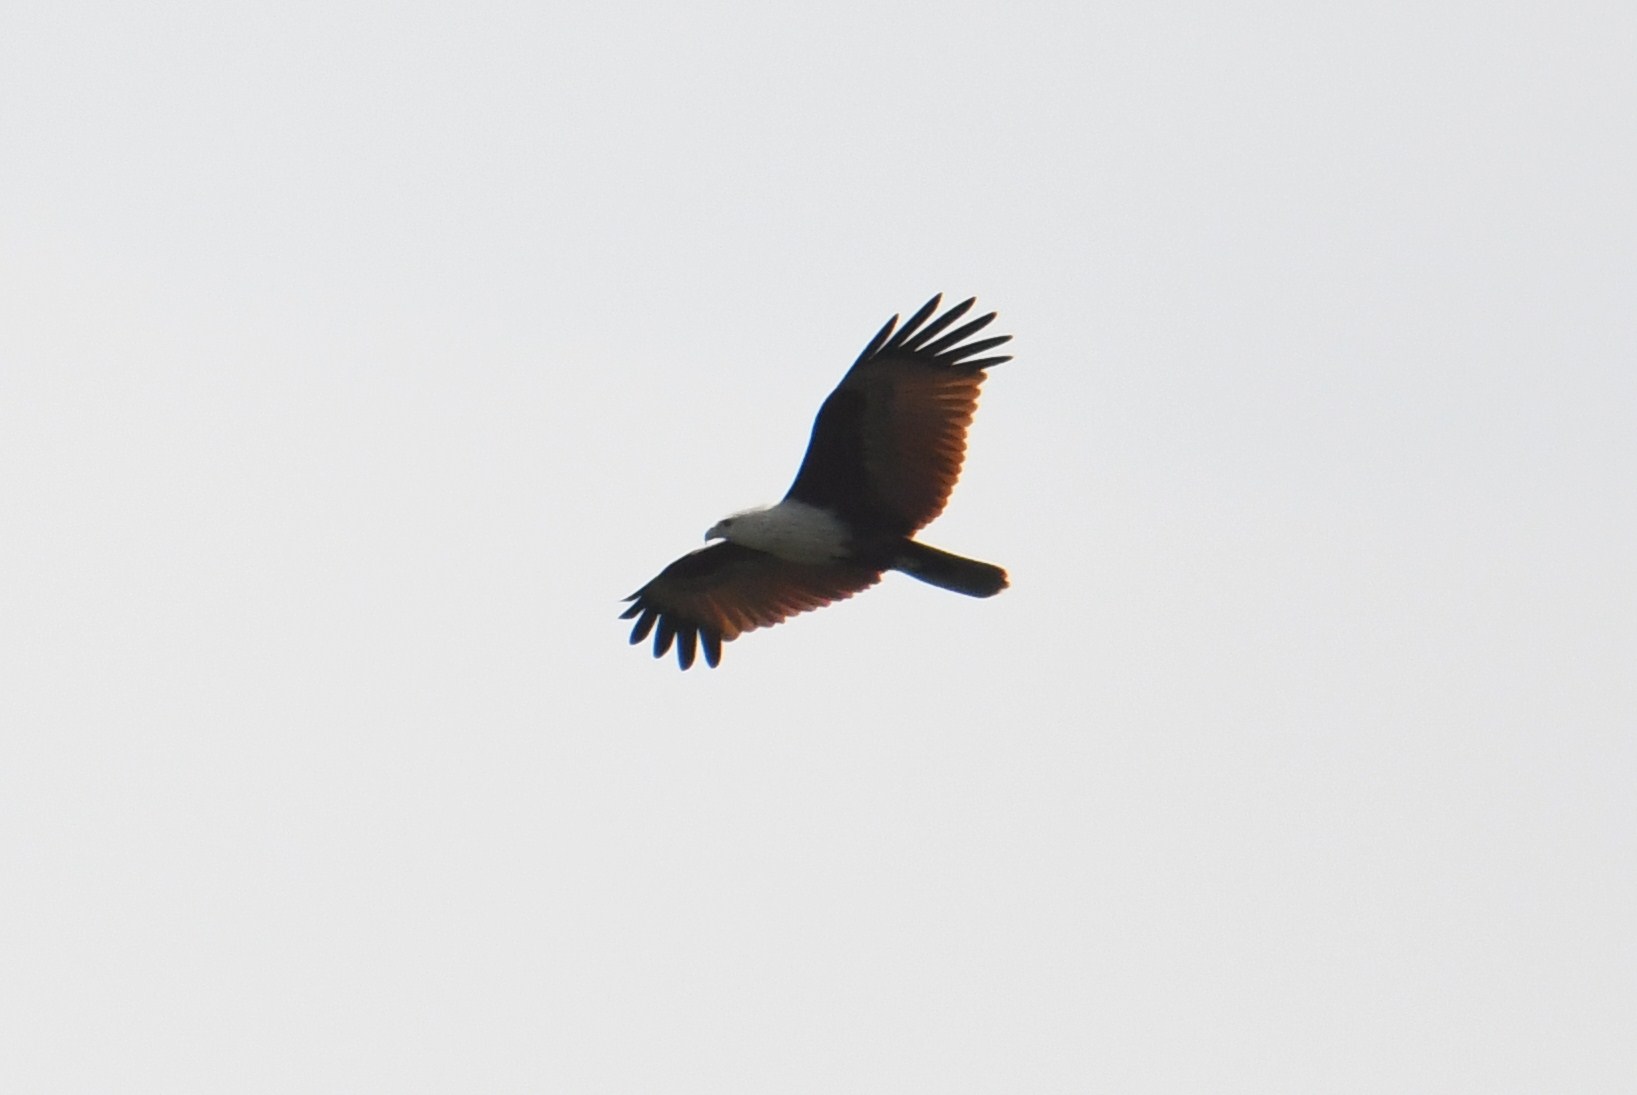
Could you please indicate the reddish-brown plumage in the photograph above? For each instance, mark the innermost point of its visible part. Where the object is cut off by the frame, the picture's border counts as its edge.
(720, 592)
(915, 434)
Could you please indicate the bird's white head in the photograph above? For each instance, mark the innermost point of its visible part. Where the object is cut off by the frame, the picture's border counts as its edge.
(734, 523)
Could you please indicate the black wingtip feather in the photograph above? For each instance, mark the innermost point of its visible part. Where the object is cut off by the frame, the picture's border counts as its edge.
(908, 330)
(913, 342)
(879, 340)
(689, 637)
(959, 333)
(664, 636)
(644, 624)
(977, 347)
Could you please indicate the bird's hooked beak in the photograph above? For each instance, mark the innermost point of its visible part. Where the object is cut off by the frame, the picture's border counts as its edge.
(717, 531)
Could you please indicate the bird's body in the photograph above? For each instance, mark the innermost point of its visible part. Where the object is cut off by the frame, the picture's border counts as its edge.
(885, 452)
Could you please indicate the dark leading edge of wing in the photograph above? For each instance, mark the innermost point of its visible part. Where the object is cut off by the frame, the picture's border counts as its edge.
(887, 445)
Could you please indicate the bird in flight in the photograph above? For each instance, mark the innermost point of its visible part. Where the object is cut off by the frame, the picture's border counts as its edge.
(884, 455)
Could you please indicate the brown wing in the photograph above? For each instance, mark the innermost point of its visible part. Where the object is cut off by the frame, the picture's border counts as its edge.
(714, 595)
(888, 443)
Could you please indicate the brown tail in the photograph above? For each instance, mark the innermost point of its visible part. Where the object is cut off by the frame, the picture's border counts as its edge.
(947, 571)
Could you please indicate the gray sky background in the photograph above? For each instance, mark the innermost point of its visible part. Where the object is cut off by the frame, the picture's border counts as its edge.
(355, 359)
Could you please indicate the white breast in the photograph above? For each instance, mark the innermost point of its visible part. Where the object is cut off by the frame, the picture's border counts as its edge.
(790, 530)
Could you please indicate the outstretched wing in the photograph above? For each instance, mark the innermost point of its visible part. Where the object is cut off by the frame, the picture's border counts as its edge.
(717, 593)
(888, 443)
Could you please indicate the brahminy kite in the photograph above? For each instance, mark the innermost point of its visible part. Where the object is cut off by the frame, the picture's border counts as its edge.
(884, 455)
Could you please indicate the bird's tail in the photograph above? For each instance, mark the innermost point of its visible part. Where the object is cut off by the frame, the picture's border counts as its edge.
(947, 571)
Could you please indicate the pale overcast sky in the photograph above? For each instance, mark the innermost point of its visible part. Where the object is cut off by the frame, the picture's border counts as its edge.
(357, 358)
